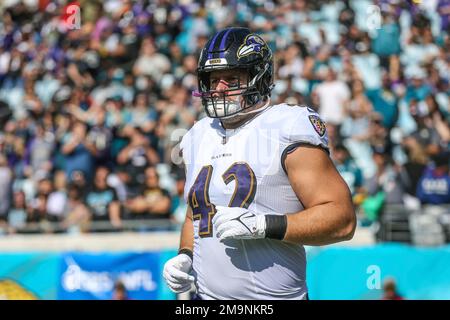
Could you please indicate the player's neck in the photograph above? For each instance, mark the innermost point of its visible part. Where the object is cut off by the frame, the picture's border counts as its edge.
(236, 124)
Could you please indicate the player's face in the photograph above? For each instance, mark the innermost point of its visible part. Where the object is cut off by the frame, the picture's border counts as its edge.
(224, 81)
(227, 87)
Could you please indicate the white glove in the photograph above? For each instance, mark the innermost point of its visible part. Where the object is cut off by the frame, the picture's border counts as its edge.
(238, 223)
(176, 273)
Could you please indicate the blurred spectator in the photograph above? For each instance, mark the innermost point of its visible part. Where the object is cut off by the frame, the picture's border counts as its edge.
(316, 69)
(77, 151)
(417, 88)
(434, 184)
(387, 40)
(425, 134)
(120, 291)
(77, 216)
(14, 148)
(347, 15)
(124, 185)
(79, 180)
(6, 180)
(5, 111)
(415, 165)
(293, 60)
(137, 155)
(150, 62)
(385, 102)
(142, 115)
(390, 290)
(359, 108)
(153, 202)
(17, 215)
(100, 139)
(57, 199)
(332, 95)
(334, 136)
(116, 114)
(379, 137)
(367, 63)
(102, 200)
(38, 207)
(438, 121)
(40, 150)
(387, 179)
(348, 169)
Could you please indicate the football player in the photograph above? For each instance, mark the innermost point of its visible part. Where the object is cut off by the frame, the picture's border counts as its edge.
(259, 182)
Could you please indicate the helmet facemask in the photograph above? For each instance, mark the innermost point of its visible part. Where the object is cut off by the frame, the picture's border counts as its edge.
(218, 104)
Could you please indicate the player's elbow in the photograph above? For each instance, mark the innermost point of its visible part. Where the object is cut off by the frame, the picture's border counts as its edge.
(348, 224)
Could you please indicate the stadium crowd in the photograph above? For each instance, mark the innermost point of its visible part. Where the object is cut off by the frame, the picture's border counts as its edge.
(89, 117)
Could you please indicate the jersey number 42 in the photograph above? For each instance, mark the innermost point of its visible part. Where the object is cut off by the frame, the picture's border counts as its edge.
(204, 210)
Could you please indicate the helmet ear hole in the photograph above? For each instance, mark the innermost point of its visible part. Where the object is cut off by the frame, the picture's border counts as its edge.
(204, 81)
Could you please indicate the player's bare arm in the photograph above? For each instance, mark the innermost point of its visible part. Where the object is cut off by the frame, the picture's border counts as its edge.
(329, 216)
(187, 232)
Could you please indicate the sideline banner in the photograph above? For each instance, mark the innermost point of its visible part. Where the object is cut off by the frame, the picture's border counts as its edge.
(26, 276)
(92, 276)
(333, 272)
(359, 272)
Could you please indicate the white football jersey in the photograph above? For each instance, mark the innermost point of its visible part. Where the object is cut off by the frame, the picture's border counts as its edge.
(244, 167)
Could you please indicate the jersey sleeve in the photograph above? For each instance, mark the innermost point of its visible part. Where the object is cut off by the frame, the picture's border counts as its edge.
(186, 154)
(190, 140)
(303, 127)
(185, 146)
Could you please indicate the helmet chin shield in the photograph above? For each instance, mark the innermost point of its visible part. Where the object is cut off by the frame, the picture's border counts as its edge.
(222, 108)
